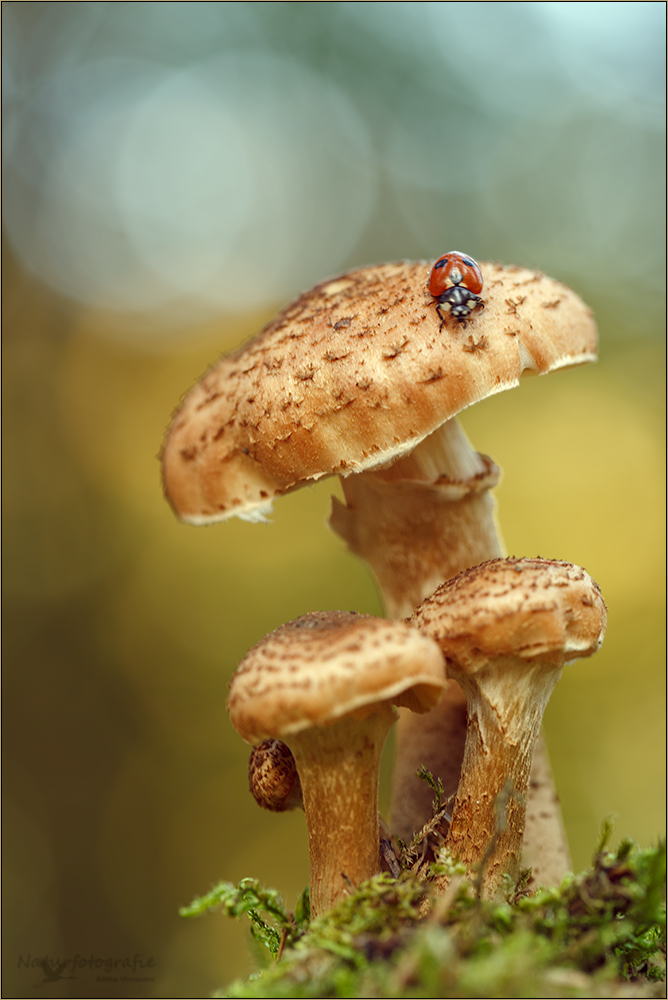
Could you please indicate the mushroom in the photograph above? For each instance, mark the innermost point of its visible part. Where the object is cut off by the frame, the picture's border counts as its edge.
(326, 684)
(506, 628)
(357, 378)
(272, 777)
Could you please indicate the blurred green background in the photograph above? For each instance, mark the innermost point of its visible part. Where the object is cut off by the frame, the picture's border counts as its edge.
(173, 174)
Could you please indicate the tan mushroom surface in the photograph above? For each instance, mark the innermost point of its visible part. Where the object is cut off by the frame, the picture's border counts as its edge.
(506, 629)
(326, 684)
(353, 375)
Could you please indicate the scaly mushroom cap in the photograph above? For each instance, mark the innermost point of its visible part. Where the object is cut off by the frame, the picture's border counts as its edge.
(532, 609)
(353, 375)
(328, 664)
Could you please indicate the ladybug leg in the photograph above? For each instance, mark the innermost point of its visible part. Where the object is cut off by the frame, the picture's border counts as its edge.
(442, 317)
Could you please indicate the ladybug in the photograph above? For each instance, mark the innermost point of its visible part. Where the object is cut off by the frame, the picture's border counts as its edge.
(455, 281)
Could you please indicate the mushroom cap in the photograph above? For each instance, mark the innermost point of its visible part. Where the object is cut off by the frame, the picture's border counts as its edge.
(353, 375)
(325, 665)
(533, 609)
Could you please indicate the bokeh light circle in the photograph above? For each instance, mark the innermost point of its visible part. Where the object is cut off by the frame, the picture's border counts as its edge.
(210, 188)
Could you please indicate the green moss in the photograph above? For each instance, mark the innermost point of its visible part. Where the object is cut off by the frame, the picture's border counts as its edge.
(250, 898)
(600, 934)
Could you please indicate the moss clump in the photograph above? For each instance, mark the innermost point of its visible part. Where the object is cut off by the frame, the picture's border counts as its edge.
(600, 934)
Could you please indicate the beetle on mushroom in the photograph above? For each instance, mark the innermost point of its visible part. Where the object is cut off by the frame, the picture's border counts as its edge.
(455, 281)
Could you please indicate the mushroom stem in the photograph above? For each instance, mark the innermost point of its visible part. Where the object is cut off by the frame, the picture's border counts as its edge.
(506, 699)
(338, 767)
(545, 847)
(447, 451)
(423, 519)
(419, 522)
(434, 741)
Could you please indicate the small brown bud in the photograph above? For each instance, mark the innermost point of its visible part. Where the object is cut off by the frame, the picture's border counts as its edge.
(273, 778)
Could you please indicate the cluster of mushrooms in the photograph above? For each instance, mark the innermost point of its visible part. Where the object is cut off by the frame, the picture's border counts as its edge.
(358, 379)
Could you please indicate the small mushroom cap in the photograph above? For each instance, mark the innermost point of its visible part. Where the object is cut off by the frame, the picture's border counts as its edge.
(324, 665)
(272, 777)
(353, 375)
(534, 609)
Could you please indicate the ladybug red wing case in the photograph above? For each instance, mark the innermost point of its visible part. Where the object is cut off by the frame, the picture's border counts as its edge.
(455, 281)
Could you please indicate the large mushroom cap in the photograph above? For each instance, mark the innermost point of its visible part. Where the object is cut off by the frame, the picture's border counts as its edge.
(328, 664)
(531, 609)
(354, 374)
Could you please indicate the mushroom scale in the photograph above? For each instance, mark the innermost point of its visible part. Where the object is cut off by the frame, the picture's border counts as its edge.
(326, 685)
